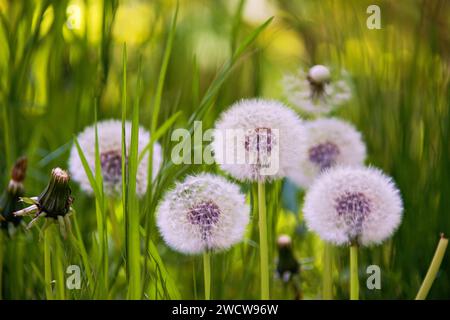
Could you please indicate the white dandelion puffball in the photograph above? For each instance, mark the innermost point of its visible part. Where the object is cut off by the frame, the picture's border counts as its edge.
(328, 143)
(257, 140)
(204, 212)
(110, 148)
(316, 92)
(347, 205)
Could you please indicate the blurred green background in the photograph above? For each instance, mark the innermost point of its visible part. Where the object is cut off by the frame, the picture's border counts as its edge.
(58, 57)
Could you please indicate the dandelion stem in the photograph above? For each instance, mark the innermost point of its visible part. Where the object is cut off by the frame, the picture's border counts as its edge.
(263, 246)
(47, 265)
(327, 285)
(207, 274)
(354, 281)
(433, 269)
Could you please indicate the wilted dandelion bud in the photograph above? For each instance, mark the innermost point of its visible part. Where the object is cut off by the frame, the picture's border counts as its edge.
(287, 265)
(110, 147)
(348, 205)
(9, 201)
(316, 92)
(54, 203)
(328, 143)
(203, 212)
(257, 140)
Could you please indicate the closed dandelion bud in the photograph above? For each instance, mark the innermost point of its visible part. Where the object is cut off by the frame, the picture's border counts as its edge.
(329, 142)
(203, 213)
(287, 265)
(10, 199)
(349, 205)
(54, 203)
(55, 200)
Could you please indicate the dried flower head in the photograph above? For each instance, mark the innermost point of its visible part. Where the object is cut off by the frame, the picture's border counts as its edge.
(203, 212)
(9, 201)
(110, 147)
(328, 143)
(257, 140)
(348, 205)
(316, 92)
(54, 203)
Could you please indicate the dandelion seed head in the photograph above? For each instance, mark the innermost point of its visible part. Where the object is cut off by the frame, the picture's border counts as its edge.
(353, 204)
(111, 163)
(316, 92)
(329, 142)
(204, 212)
(110, 149)
(271, 135)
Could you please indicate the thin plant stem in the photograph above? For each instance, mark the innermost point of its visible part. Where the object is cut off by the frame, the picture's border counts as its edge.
(115, 226)
(58, 268)
(194, 279)
(263, 245)
(354, 281)
(327, 284)
(433, 269)
(207, 274)
(47, 265)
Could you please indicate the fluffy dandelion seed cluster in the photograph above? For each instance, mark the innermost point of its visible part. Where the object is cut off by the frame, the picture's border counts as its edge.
(204, 212)
(265, 142)
(315, 92)
(353, 205)
(110, 147)
(328, 143)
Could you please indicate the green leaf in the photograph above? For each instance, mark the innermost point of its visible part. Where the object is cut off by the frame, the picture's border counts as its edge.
(159, 133)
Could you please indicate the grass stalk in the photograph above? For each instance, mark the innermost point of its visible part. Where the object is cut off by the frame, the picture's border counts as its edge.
(354, 281)
(263, 245)
(207, 274)
(132, 204)
(433, 269)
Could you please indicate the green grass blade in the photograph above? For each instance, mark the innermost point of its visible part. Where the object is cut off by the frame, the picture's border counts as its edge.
(163, 72)
(159, 133)
(132, 204)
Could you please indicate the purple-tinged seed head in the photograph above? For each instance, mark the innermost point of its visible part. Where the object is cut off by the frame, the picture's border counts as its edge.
(111, 163)
(324, 155)
(354, 207)
(205, 214)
